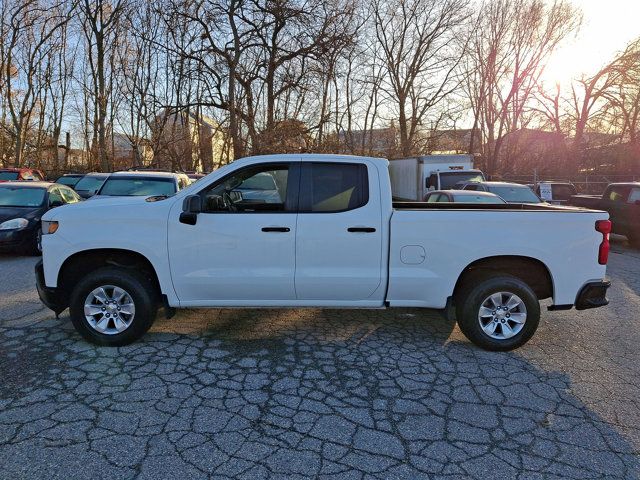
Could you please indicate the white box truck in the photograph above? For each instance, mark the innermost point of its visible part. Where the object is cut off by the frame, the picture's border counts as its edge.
(412, 178)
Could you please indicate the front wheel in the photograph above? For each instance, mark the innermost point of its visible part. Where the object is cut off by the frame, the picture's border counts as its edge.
(498, 313)
(113, 306)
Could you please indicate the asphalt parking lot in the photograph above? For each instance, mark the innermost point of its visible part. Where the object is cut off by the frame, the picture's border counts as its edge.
(312, 393)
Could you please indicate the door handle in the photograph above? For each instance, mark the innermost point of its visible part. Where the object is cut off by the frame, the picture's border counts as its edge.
(361, 229)
(276, 229)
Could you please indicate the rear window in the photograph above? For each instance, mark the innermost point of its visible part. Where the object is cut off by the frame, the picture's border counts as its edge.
(333, 187)
(8, 175)
(563, 192)
(513, 194)
(21, 197)
(129, 187)
(477, 199)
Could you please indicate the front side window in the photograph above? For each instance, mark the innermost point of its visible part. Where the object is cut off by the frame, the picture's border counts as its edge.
(55, 197)
(69, 195)
(333, 187)
(261, 188)
(433, 198)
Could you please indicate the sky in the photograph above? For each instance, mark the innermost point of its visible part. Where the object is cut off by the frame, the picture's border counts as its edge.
(608, 26)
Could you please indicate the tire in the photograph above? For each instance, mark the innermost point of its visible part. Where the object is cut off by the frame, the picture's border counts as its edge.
(132, 321)
(34, 246)
(476, 308)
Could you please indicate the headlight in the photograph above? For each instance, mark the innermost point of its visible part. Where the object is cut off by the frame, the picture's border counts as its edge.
(49, 226)
(14, 224)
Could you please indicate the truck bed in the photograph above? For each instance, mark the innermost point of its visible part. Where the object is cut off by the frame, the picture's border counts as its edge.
(484, 206)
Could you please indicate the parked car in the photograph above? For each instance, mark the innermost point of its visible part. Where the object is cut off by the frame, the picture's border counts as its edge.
(20, 174)
(22, 204)
(557, 193)
(331, 238)
(194, 177)
(70, 179)
(509, 192)
(622, 202)
(462, 196)
(90, 184)
(142, 183)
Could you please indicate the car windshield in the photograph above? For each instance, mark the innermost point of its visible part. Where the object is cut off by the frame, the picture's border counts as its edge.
(8, 175)
(68, 181)
(451, 180)
(515, 194)
(90, 184)
(21, 197)
(477, 199)
(128, 187)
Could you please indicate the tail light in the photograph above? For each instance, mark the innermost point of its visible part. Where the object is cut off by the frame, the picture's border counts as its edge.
(604, 227)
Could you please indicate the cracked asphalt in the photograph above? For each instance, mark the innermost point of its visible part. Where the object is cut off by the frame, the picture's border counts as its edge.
(320, 394)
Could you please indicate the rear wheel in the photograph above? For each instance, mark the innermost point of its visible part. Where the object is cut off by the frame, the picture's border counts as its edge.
(498, 312)
(113, 306)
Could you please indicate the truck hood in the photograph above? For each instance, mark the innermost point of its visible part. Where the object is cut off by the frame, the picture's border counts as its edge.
(108, 208)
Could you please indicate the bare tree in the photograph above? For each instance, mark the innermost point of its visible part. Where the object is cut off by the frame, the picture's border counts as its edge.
(29, 30)
(420, 57)
(510, 46)
(101, 22)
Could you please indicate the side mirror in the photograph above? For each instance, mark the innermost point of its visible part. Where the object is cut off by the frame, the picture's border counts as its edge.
(191, 207)
(192, 204)
(56, 203)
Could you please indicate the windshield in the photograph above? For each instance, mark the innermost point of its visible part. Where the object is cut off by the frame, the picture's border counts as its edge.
(477, 199)
(8, 175)
(515, 194)
(68, 181)
(128, 187)
(90, 184)
(453, 180)
(21, 197)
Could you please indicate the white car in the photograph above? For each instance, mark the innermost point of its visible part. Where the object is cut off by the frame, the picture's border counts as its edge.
(329, 236)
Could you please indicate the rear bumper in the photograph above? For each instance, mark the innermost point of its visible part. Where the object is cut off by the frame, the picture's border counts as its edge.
(593, 295)
(51, 297)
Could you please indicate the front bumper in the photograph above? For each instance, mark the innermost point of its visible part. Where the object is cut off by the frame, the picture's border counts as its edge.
(51, 297)
(11, 240)
(593, 295)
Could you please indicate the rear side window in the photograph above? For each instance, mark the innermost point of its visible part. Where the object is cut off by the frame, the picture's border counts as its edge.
(333, 187)
(634, 196)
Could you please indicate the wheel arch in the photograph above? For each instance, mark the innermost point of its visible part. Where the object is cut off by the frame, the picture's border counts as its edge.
(528, 269)
(81, 263)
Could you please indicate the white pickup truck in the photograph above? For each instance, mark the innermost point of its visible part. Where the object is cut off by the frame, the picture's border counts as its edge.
(317, 231)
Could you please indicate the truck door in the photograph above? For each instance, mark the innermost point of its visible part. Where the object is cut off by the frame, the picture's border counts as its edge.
(242, 248)
(339, 233)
